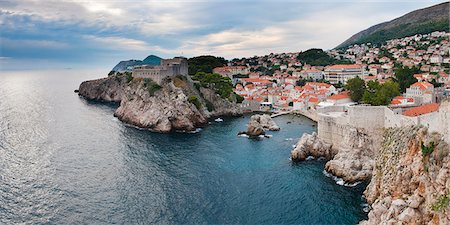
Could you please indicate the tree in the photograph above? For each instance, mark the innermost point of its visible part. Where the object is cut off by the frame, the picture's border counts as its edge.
(317, 57)
(220, 84)
(356, 86)
(205, 64)
(377, 94)
(404, 76)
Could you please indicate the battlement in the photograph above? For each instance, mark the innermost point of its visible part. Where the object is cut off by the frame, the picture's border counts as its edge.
(167, 68)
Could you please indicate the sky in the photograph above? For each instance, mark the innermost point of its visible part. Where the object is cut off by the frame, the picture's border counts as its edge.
(98, 34)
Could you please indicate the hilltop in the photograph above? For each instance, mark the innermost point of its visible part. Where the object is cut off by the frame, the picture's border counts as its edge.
(421, 21)
(128, 64)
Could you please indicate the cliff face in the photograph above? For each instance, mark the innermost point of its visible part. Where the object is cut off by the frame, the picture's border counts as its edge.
(411, 180)
(175, 105)
(110, 89)
(353, 160)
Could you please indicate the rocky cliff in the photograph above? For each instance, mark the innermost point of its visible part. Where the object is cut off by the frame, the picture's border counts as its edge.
(353, 160)
(176, 105)
(109, 89)
(411, 180)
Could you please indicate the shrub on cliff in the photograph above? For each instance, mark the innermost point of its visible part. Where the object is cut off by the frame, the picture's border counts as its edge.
(194, 100)
(151, 86)
(220, 84)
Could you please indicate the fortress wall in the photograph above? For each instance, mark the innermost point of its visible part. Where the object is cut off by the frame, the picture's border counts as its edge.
(359, 124)
(392, 119)
(365, 124)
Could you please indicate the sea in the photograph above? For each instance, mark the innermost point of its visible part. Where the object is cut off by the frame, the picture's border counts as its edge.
(66, 160)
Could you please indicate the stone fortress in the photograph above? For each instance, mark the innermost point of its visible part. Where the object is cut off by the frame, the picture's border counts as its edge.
(338, 124)
(167, 68)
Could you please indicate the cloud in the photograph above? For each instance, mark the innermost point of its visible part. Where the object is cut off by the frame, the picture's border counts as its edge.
(119, 43)
(132, 29)
(22, 44)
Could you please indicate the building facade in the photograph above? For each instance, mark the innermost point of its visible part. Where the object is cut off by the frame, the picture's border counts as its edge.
(167, 68)
(342, 73)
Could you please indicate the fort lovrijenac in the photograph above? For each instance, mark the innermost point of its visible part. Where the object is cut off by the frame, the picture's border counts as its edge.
(167, 68)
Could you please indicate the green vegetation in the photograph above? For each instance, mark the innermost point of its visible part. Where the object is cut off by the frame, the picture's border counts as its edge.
(404, 76)
(205, 64)
(239, 99)
(179, 81)
(221, 85)
(400, 31)
(129, 77)
(240, 76)
(372, 93)
(209, 105)
(357, 87)
(317, 57)
(380, 94)
(427, 150)
(151, 86)
(442, 202)
(194, 100)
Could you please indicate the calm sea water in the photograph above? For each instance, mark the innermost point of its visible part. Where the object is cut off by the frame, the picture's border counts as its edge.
(65, 160)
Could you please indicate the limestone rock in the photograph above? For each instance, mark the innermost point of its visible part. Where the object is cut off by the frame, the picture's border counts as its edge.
(166, 108)
(258, 124)
(416, 181)
(110, 89)
(311, 145)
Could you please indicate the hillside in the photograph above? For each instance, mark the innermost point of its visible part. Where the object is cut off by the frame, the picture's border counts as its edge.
(125, 65)
(317, 57)
(422, 21)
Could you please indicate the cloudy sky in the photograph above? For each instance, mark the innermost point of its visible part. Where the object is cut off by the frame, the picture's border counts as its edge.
(88, 34)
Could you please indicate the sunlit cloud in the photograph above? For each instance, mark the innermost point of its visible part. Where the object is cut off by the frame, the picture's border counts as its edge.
(134, 29)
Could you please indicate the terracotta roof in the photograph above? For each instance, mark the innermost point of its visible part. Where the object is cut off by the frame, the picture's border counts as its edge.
(396, 102)
(256, 80)
(339, 96)
(345, 66)
(313, 99)
(422, 85)
(420, 110)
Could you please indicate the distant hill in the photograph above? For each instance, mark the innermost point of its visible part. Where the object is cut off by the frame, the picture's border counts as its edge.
(152, 60)
(422, 21)
(126, 65)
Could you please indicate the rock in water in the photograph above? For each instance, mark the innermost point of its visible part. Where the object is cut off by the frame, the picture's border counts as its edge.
(258, 124)
(311, 145)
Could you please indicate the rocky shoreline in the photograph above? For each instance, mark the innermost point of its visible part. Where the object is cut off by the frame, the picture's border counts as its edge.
(351, 164)
(175, 105)
(407, 185)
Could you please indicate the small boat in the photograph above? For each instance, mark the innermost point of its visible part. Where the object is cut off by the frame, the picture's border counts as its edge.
(219, 120)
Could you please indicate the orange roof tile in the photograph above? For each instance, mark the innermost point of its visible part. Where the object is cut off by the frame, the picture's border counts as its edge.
(313, 99)
(422, 85)
(339, 96)
(420, 110)
(345, 66)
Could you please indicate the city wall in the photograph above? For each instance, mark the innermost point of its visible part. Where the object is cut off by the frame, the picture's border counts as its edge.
(356, 126)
